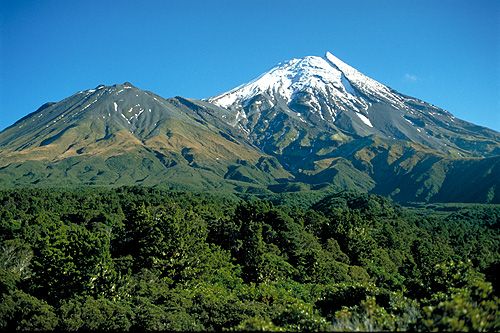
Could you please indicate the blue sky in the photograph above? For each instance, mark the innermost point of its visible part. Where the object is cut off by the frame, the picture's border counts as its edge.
(443, 52)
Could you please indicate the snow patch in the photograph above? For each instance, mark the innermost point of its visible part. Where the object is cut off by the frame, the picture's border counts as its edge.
(408, 120)
(125, 118)
(364, 119)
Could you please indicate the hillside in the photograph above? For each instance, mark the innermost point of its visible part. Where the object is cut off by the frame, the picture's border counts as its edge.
(121, 135)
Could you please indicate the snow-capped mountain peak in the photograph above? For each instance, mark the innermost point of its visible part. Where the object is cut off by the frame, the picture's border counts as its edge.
(326, 76)
(325, 94)
(288, 78)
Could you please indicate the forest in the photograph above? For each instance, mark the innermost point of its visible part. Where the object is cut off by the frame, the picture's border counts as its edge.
(138, 258)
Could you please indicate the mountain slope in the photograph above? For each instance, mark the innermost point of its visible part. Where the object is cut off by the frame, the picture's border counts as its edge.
(411, 172)
(122, 135)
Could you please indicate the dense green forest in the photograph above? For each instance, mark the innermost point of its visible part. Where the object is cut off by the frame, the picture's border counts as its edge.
(136, 258)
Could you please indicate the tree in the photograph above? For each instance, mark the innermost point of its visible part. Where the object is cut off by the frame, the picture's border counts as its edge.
(68, 260)
(460, 301)
(166, 238)
(89, 313)
(22, 312)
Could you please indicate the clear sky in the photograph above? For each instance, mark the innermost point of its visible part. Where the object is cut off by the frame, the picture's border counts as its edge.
(443, 52)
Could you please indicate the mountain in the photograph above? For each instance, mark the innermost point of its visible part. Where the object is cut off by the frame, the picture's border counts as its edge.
(121, 135)
(327, 122)
(306, 124)
(282, 106)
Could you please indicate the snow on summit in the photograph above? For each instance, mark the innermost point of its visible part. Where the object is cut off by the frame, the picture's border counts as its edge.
(327, 76)
(288, 78)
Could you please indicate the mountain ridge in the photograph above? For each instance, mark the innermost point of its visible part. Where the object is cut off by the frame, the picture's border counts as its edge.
(306, 121)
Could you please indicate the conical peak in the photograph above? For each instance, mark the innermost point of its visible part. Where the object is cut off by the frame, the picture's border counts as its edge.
(307, 62)
(310, 64)
(307, 66)
(285, 80)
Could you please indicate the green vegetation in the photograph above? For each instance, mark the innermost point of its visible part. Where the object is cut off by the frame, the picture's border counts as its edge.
(136, 258)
